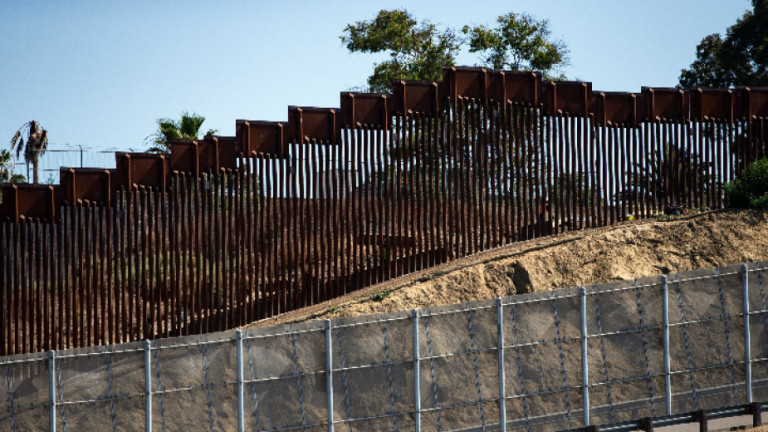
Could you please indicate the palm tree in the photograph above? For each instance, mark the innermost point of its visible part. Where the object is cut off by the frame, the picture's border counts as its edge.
(187, 127)
(34, 147)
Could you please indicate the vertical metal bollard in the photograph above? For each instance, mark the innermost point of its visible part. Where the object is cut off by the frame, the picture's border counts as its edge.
(665, 319)
(240, 400)
(416, 372)
(329, 372)
(52, 389)
(747, 337)
(502, 374)
(584, 355)
(147, 386)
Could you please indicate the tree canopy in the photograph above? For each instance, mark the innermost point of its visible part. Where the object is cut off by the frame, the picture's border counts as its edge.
(738, 59)
(518, 42)
(187, 127)
(417, 50)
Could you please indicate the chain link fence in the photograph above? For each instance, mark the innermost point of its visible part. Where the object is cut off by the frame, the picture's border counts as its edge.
(546, 361)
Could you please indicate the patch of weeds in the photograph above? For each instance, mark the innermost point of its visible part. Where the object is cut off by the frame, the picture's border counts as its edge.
(333, 309)
(379, 296)
(425, 278)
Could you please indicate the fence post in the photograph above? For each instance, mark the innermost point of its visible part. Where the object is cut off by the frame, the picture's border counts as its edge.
(147, 386)
(416, 372)
(240, 401)
(584, 355)
(329, 372)
(502, 374)
(665, 319)
(52, 389)
(747, 337)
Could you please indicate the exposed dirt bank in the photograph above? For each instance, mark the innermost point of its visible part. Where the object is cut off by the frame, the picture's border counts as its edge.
(626, 251)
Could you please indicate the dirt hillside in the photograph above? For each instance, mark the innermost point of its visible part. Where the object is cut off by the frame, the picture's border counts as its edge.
(626, 251)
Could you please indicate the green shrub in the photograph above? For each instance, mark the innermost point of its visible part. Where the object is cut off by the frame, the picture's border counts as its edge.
(750, 189)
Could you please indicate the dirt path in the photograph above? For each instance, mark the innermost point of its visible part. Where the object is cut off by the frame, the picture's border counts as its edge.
(626, 251)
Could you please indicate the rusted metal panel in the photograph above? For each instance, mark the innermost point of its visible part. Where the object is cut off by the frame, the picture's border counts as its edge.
(226, 151)
(265, 137)
(185, 156)
(465, 82)
(416, 96)
(90, 184)
(306, 124)
(572, 97)
(755, 102)
(23, 200)
(142, 169)
(206, 155)
(664, 103)
(712, 103)
(472, 82)
(614, 108)
(366, 109)
(522, 87)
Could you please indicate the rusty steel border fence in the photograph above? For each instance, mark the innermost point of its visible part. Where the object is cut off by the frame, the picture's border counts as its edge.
(227, 230)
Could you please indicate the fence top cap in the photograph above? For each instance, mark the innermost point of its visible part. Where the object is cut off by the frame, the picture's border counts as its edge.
(219, 138)
(582, 83)
(614, 93)
(30, 186)
(260, 122)
(521, 72)
(365, 95)
(469, 69)
(86, 169)
(712, 89)
(662, 89)
(183, 141)
(415, 82)
(311, 108)
(142, 155)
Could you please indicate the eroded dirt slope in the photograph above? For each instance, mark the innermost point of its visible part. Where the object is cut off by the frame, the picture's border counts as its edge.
(627, 251)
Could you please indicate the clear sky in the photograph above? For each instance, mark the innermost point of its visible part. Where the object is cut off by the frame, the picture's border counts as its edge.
(99, 73)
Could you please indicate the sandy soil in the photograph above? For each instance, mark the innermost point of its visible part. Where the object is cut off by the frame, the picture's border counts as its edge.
(626, 251)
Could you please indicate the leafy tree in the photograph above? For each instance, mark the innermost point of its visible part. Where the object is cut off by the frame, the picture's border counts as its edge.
(34, 147)
(6, 169)
(750, 189)
(418, 51)
(518, 42)
(187, 127)
(738, 59)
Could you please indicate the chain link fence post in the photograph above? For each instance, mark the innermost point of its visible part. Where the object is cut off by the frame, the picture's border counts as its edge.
(52, 390)
(416, 373)
(665, 324)
(584, 355)
(147, 386)
(747, 337)
(502, 375)
(329, 371)
(240, 400)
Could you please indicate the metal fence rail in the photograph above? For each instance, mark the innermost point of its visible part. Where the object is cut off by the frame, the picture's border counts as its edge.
(609, 354)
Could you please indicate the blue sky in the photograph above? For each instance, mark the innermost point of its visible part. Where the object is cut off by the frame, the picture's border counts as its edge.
(99, 73)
